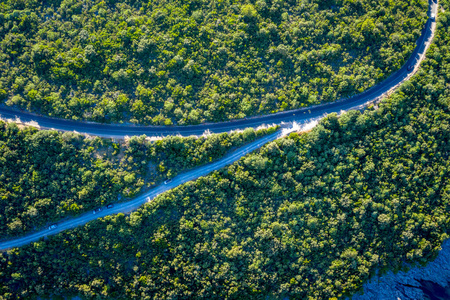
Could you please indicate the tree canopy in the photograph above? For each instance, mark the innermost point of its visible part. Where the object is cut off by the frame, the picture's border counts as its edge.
(46, 176)
(169, 62)
(309, 216)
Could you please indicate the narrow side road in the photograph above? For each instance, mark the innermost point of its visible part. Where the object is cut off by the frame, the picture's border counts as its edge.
(148, 196)
(300, 115)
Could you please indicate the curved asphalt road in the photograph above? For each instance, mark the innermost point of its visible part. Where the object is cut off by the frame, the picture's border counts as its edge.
(303, 116)
(150, 195)
(299, 115)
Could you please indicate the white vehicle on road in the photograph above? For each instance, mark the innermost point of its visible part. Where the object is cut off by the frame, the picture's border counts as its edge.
(53, 226)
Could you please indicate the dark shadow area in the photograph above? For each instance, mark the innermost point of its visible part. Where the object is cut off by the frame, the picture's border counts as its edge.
(434, 291)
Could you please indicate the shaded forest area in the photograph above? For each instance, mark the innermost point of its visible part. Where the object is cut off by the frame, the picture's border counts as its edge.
(46, 176)
(180, 62)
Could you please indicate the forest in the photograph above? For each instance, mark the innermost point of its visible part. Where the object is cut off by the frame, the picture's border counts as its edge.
(167, 62)
(46, 176)
(309, 216)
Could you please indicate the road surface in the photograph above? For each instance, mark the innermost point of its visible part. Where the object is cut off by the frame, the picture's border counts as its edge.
(299, 115)
(302, 116)
(148, 196)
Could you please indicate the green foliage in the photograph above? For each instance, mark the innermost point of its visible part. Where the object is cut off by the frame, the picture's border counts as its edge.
(46, 176)
(310, 216)
(170, 62)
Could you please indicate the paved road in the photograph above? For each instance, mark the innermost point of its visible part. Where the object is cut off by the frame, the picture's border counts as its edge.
(299, 115)
(136, 203)
(288, 117)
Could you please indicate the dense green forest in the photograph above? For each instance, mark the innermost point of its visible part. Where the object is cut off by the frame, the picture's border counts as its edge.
(46, 176)
(168, 62)
(309, 216)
